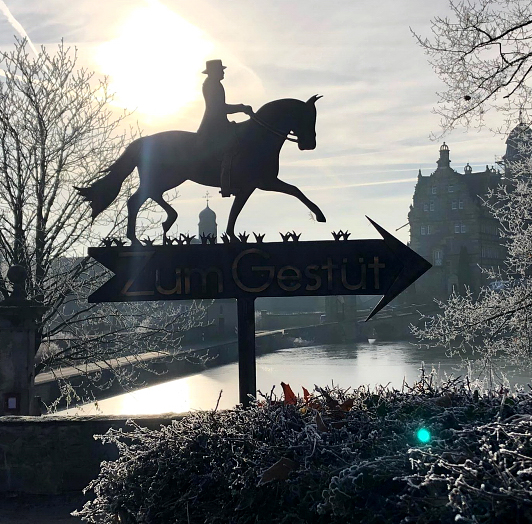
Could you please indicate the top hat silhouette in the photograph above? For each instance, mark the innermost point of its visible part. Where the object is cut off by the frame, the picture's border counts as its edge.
(213, 65)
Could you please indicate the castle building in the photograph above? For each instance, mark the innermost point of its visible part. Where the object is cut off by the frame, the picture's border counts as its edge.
(452, 229)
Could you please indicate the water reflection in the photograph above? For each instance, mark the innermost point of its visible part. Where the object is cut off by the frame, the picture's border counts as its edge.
(347, 365)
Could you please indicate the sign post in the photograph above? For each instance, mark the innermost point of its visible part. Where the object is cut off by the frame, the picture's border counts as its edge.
(248, 271)
(247, 372)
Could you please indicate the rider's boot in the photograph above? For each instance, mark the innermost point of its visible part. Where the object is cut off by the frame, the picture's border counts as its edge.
(225, 175)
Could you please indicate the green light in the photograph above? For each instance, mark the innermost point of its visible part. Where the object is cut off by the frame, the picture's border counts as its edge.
(423, 435)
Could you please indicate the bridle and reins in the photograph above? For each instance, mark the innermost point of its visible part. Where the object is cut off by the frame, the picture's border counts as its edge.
(287, 136)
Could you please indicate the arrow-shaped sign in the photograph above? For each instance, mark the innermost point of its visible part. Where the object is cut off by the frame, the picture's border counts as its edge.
(413, 266)
(240, 270)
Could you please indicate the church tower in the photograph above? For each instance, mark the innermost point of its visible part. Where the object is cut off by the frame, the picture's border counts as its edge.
(207, 221)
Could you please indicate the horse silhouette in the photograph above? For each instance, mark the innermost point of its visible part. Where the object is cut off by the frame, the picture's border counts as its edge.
(166, 160)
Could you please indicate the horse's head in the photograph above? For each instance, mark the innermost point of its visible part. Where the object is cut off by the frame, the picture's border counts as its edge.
(281, 117)
(305, 127)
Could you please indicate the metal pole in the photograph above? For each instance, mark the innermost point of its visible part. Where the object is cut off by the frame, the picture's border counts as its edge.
(247, 376)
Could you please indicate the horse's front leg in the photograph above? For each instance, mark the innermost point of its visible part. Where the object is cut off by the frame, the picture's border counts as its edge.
(283, 187)
(240, 199)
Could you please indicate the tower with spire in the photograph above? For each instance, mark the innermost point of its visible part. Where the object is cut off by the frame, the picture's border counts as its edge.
(207, 220)
(444, 161)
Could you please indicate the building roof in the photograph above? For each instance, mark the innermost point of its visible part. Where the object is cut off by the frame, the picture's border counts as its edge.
(207, 213)
(478, 183)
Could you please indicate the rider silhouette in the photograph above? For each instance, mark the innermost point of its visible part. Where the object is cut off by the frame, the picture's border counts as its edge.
(215, 131)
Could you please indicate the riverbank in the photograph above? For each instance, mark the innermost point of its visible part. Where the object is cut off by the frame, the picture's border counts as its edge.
(304, 364)
(192, 359)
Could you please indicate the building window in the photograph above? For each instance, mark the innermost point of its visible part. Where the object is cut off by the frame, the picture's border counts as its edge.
(432, 205)
(438, 257)
(433, 190)
(429, 230)
(451, 188)
(460, 227)
(461, 204)
(490, 252)
(453, 204)
(490, 229)
(423, 230)
(425, 207)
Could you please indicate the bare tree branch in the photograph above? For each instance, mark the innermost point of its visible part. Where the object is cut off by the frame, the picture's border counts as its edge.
(483, 54)
(57, 130)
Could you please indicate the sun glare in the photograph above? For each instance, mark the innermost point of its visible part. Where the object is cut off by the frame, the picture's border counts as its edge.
(153, 63)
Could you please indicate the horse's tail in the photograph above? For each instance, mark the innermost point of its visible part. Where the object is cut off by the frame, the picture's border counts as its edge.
(103, 192)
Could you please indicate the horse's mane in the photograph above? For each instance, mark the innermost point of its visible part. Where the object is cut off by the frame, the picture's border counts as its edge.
(283, 104)
(270, 111)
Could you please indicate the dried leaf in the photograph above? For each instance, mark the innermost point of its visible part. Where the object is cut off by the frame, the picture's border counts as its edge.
(289, 397)
(279, 471)
(347, 405)
(306, 394)
(310, 401)
(320, 424)
(329, 401)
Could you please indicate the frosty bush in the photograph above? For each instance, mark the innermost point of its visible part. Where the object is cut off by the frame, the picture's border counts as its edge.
(330, 457)
(485, 472)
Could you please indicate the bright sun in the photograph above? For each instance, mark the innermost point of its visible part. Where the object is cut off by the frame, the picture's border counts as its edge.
(153, 63)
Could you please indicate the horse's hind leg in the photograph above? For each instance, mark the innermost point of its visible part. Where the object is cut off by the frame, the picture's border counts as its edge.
(240, 199)
(283, 187)
(171, 213)
(133, 206)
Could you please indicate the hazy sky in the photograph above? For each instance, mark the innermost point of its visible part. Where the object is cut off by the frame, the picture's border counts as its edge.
(373, 121)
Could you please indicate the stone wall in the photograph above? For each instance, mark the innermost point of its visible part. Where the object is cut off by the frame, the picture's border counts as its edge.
(52, 454)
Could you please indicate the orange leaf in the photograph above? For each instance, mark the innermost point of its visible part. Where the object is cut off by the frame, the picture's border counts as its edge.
(289, 397)
(347, 405)
(279, 471)
(306, 394)
(315, 405)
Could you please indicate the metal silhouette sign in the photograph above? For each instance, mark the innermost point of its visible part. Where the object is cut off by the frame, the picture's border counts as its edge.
(238, 158)
(252, 270)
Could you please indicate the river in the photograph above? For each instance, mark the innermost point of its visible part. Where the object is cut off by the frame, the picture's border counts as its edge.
(346, 365)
